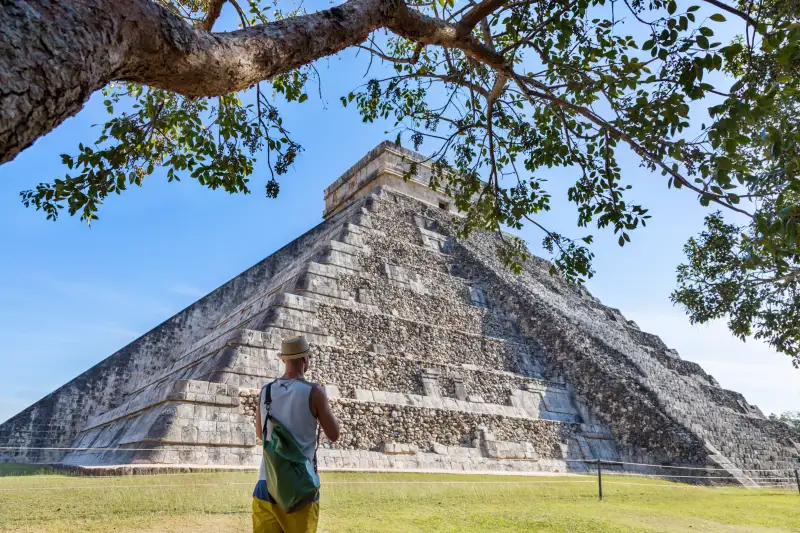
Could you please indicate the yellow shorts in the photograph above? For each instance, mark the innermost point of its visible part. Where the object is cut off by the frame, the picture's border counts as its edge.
(270, 518)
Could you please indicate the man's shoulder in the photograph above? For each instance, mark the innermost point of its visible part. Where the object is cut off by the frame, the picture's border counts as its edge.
(318, 393)
(313, 384)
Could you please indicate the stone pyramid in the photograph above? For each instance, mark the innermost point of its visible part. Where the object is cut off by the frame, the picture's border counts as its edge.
(434, 355)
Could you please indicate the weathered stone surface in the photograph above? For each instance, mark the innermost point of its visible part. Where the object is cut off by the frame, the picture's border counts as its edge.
(434, 357)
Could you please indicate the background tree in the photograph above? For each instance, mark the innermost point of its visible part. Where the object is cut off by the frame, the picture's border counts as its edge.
(498, 90)
(790, 418)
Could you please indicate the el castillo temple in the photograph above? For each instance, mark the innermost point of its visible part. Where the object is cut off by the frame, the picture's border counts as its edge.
(435, 357)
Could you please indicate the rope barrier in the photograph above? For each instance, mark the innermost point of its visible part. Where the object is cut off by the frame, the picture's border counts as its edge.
(395, 482)
(762, 481)
(93, 449)
(672, 476)
(190, 448)
(675, 486)
(232, 484)
(252, 471)
(620, 463)
(141, 475)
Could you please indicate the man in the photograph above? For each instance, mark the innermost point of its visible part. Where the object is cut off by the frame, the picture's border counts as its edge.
(298, 405)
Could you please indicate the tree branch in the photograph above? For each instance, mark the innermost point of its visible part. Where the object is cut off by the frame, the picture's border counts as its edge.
(420, 28)
(400, 60)
(733, 11)
(171, 55)
(213, 10)
(473, 17)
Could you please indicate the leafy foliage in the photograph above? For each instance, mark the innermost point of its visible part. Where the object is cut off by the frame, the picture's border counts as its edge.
(790, 418)
(500, 93)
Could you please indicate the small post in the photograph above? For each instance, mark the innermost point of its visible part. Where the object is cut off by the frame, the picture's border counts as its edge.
(600, 479)
(797, 478)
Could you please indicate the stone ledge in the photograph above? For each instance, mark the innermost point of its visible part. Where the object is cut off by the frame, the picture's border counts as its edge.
(396, 448)
(447, 404)
(185, 390)
(345, 248)
(369, 461)
(326, 270)
(522, 341)
(456, 451)
(321, 285)
(340, 259)
(192, 457)
(235, 337)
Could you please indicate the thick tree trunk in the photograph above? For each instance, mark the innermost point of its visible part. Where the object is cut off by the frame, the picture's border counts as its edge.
(55, 53)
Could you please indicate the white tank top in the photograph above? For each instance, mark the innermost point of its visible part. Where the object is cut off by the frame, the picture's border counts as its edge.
(291, 406)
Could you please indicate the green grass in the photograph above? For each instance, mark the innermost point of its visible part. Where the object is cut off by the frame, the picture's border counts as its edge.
(220, 502)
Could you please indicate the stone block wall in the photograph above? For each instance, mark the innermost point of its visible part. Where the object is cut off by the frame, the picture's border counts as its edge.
(660, 407)
(369, 425)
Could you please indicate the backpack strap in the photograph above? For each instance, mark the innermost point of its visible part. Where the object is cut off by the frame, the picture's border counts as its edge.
(268, 406)
(319, 428)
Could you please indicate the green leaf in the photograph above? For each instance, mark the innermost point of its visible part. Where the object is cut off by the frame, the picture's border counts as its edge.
(718, 17)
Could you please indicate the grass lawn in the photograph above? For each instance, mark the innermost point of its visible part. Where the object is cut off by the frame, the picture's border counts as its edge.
(365, 502)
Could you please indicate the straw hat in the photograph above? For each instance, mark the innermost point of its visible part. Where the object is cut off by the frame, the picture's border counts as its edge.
(294, 348)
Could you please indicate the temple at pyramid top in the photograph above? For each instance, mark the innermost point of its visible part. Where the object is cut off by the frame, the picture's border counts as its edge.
(386, 164)
(435, 357)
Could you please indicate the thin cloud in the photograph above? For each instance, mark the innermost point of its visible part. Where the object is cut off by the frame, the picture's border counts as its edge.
(183, 289)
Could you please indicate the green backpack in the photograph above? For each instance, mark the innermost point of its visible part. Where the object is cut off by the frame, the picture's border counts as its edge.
(292, 479)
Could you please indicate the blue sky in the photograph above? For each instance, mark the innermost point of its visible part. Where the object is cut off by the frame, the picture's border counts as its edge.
(71, 295)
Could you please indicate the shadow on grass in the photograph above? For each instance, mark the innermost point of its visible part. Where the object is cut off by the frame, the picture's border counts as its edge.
(20, 469)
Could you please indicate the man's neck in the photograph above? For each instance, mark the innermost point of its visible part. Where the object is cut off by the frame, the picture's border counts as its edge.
(289, 374)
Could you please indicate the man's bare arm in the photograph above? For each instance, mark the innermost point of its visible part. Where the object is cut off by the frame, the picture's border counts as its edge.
(322, 410)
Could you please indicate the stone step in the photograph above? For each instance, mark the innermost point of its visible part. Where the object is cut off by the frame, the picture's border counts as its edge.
(312, 285)
(370, 424)
(435, 241)
(340, 259)
(362, 460)
(288, 326)
(192, 413)
(353, 235)
(350, 369)
(453, 404)
(164, 457)
(717, 458)
(584, 449)
(353, 328)
(279, 313)
(184, 390)
(281, 283)
(326, 270)
(343, 247)
(233, 338)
